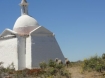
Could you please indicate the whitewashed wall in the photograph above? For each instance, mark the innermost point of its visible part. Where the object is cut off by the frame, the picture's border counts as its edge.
(21, 52)
(28, 52)
(44, 48)
(8, 52)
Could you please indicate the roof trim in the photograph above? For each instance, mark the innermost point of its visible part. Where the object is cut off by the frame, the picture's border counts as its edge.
(8, 32)
(40, 30)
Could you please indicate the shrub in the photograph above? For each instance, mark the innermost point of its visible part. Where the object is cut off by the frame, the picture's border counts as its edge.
(43, 65)
(103, 56)
(51, 63)
(94, 63)
(52, 71)
(59, 66)
(49, 70)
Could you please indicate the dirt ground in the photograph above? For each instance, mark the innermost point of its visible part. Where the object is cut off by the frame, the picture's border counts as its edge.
(76, 72)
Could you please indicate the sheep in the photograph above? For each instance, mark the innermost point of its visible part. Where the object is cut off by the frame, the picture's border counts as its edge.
(67, 62)
(58, 61)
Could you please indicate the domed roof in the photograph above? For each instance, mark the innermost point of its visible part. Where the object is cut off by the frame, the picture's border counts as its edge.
(24, 24)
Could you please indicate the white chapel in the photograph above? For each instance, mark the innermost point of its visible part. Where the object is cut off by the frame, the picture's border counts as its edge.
(28, 43)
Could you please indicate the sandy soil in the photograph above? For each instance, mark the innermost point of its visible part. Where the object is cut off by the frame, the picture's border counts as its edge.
(76, 73)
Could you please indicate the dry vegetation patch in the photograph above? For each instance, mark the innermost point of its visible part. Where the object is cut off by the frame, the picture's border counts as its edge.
(93, 67)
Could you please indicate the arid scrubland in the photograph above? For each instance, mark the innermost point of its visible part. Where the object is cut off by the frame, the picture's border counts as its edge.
(93, 67)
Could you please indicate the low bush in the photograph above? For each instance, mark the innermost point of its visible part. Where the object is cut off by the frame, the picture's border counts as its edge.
(51, 63)
(43, 65)
(94, 63)
(46, 70)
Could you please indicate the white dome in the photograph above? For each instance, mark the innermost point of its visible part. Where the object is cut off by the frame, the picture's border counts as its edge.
(24, 24)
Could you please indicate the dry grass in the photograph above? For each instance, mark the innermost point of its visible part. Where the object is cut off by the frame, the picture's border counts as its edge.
(75, 69)
(77, 72)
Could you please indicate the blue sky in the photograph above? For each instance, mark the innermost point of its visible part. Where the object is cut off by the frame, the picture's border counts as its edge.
(79, 25)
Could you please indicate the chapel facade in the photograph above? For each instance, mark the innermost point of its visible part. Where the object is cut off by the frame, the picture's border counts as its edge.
(28, 43)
